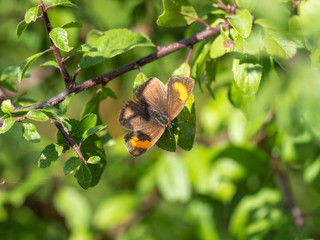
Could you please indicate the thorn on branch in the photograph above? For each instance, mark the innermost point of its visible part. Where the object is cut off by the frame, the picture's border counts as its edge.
(69, 140)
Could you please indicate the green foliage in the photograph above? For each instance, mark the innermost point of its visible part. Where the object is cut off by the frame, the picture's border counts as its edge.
(242, 161)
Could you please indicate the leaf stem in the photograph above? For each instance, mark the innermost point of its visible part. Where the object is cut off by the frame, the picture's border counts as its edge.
(69, 140)
(189, 54)
(63, 69)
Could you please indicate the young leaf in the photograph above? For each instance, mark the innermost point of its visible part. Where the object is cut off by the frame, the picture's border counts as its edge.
(22, 26)
(50, 63)
(177, 13)
(93, 130)
(71, 164)
(242, 22)
(51, 153)
(87, 122)
(200, 61)
(94, 159)
(60, 38)
(64, 3)
(31, 15)
(37, 115)
(182, 71)
(187, 125)
(64, 104)
(72, 25)
(247, 74)
(26, 64)
(6, 106)
(7, 124)
(217, 48)
(30, 133)
(112, 43)
(139, 80)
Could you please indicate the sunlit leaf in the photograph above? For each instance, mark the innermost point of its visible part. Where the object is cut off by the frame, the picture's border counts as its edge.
(60, 38)
(30, 132)
(177, 13)
(7, 124)
(31, 15)
(242, 22)
(50, 154)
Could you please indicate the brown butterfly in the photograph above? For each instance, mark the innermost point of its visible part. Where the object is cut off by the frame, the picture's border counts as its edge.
(152, 110)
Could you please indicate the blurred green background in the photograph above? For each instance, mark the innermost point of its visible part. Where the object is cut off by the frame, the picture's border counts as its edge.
(226, 187)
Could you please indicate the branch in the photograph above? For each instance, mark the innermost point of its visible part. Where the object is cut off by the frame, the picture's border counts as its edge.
(159, 53)
(69, 140)
(63, 69)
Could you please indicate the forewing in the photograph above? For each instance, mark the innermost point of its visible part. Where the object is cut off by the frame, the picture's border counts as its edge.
(134, 116)
(138, 142)
(153, 94)
(179, 90)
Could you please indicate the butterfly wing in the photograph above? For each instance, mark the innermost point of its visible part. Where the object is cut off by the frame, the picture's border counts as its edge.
(138, 142)
(134, 116)
(153, 94)
(179, 90)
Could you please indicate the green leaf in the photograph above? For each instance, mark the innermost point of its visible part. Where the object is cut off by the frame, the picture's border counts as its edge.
(37, 115)
(251, 45)
(7, 124)
(187, 125)
(22, 26)
(112, 43)
(87, 122)
(173, 179)
(31, 14)
(83, 176)
(93, 130)
(312, 172)
(9, 84)
(218, 48)
(30, 133)
(72, 25)
(56, 114)
(26, 64)
(242, 22)
(10, 72)
(71, 165)
(237, 97)
(138, 81)
(93, 104)
(167, 142)
(59, 36)
(200, 62)
(64, 3)
(51, 153)
(50, 63)
(6, 106)
(94, 159)
(92, 147)
(182, 71)
(64, 104)
(247, 73)
(247, 4)
(177, 13)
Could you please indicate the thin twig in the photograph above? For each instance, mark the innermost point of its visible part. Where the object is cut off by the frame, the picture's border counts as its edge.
(189, 54)
(69, 140)
(63, 69)
(159, 53)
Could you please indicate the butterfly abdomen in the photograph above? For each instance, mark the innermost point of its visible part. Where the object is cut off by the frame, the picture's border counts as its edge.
(159, 118)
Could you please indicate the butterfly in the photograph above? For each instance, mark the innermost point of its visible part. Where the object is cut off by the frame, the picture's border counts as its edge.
(152, 110)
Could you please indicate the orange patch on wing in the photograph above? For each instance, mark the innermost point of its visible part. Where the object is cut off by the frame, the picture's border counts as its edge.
(182, 90)
(140, 144)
